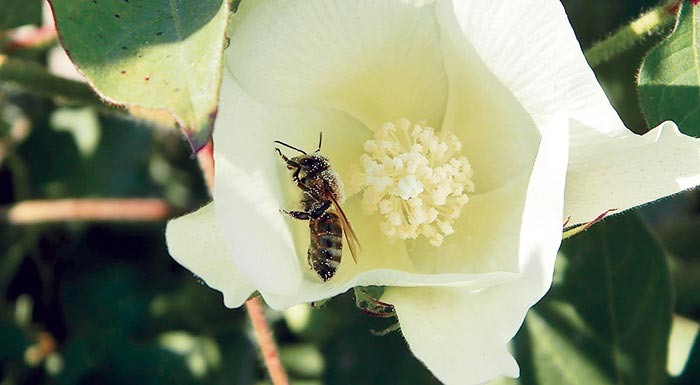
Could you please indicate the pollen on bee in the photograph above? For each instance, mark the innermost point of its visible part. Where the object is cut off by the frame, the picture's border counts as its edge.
(415, 178)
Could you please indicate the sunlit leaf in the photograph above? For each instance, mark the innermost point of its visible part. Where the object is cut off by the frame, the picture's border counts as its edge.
(683, 334)
(159, 55)
(669, 80)
(302, 360)
(691, 374)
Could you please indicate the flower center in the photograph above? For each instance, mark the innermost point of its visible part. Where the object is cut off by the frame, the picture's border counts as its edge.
(415, 178)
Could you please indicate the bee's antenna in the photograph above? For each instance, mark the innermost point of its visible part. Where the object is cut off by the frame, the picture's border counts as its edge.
(289, 146)
(320, 139)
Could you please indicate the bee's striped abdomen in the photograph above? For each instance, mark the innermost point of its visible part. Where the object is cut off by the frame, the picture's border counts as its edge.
(326, 246)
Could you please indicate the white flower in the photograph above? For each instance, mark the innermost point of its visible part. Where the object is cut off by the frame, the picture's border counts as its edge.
(507, 78)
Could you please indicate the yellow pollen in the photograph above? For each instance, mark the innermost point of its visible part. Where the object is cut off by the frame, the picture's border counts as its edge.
(415, 178)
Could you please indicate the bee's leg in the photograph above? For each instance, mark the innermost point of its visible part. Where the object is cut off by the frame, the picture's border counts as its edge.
(299, 182)
(301, 215)
(292, 165)
(284, 158)
(316, 212)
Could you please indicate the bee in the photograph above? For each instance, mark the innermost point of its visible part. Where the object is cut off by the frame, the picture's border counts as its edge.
(320, 205)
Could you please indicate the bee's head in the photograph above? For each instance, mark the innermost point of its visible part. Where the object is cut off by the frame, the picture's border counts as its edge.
(311, 162)
(306, 162)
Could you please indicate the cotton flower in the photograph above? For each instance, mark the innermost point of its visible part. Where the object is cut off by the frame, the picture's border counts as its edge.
(506, 132)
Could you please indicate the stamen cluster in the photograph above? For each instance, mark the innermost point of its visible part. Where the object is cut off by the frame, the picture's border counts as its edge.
(417, 179)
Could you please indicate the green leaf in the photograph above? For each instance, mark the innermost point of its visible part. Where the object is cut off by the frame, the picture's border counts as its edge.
(19, 12)
(680, 236)
(108, 301)
(607, 318)
(669, 80)
(353, 355)
(35, 78)
(12, 340)
(122, 361)
(159, 55)
(239, 360)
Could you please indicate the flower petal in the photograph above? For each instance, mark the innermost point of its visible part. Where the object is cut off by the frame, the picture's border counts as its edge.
(621, 172)
(531, 48)
(475, 325)
(377, 60)
(498, 135)
(195, 242)
(458, 333)
(486, 237)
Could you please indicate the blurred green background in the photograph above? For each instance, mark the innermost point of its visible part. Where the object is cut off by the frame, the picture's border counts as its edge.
(103, 303)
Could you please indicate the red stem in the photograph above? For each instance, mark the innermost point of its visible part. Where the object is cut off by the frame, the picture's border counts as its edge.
(59, 210)
(267, 343)
(35, 38)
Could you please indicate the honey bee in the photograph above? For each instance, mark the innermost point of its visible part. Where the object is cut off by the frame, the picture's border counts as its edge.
(320, 203)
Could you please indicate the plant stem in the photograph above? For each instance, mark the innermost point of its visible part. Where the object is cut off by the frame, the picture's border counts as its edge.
(267, 343)
(43, 211)
(205, 156)
(253, 306)
(39, 37)
(627, 36)
(583, 227)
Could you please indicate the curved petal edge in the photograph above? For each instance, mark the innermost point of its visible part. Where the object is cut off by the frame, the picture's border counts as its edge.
(621, 172)
(195, 242)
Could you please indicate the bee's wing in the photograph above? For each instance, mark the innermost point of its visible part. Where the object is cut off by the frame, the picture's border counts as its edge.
(350, 236)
